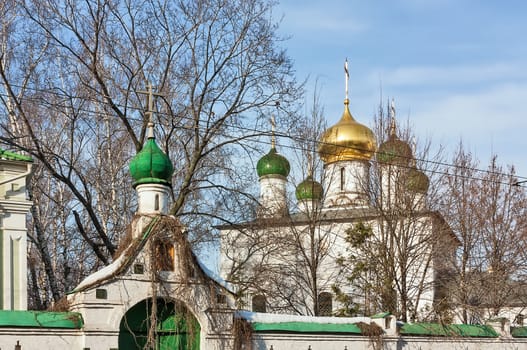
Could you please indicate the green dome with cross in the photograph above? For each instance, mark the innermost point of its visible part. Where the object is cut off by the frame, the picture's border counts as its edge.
(273, 164)
(151, 165)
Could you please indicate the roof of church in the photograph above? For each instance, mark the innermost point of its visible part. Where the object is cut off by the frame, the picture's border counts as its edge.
(326, 216)
(127, 257)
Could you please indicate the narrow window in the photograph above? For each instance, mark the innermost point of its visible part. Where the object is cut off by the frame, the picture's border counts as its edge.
(156, 202)
(164, 256)
(325, 304)
(342, 179)
(259, 303)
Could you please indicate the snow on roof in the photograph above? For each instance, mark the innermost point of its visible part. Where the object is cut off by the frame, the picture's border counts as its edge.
(103, 274)
(215, 277)
(280, 318)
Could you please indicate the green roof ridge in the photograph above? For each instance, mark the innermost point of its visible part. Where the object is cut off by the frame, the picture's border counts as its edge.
(9, 155)
(40, 319)
(448, 330)
(307, 327)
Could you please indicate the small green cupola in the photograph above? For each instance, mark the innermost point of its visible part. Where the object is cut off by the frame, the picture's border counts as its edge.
(309, 189)
(394, 151)
(151, 165)
(417, 181)
(273, 164)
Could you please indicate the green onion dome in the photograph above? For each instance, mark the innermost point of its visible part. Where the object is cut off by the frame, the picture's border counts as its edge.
(273, 164)
(151, 165)
(309, 189)
(417, 181)
(394, 151)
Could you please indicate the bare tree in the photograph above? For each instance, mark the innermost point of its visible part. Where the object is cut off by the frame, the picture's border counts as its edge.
(486, 210)
(72, 75)
(393, 255)
(285, 258)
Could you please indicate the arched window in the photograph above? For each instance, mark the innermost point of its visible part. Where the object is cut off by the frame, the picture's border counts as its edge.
(325, 304)
(156, 202)
(259, 303)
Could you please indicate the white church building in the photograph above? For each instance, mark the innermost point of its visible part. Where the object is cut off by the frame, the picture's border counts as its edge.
(390, 206)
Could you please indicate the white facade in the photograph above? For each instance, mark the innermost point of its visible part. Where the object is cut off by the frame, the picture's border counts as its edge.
(14, 207)
(346, 184)
(273, 196)
(152, 199)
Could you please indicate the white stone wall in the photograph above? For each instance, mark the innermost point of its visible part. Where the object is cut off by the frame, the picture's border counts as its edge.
(273, 197)
(345, 184)
(267, 341)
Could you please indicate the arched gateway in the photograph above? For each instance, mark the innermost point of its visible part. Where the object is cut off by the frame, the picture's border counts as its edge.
(167, 324)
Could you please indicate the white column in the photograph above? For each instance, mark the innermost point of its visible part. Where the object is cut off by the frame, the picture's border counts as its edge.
(273, 199)
(152, 199)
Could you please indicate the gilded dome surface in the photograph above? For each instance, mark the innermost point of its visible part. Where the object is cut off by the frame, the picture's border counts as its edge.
(309, 189)
(151, 165)
(347, 140)
(273, 164)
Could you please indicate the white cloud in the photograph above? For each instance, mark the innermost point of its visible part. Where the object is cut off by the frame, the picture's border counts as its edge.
(466, 74)
(320, 17)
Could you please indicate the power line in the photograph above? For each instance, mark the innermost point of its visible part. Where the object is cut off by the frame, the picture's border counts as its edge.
(520, 180)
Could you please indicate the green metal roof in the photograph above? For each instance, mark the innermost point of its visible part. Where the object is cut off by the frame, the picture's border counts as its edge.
(309, 189)
(519, 332)
(41, 319)
(273, 164)
(448, 330)
(306, 327)
(8, 155)
(381, 315)
(151, 165)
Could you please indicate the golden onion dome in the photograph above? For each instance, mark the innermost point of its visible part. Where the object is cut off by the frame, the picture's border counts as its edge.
(347, 140)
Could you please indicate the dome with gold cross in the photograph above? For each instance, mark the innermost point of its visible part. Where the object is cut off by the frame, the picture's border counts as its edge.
(347, 140)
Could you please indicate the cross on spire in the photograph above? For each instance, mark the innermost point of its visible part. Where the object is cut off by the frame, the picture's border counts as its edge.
(150, 94)
(392, 118)
(273, 127)
(346, 72)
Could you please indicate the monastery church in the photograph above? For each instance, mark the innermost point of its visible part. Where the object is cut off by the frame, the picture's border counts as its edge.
(156, 294)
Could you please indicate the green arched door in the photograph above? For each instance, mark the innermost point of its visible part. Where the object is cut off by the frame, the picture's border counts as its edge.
(166, 325)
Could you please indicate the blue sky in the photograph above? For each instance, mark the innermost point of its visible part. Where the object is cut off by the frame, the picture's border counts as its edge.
(456, 69)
